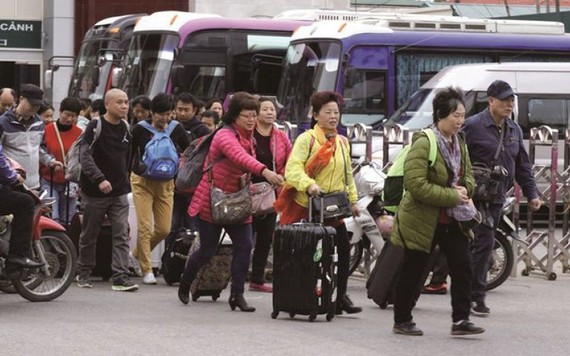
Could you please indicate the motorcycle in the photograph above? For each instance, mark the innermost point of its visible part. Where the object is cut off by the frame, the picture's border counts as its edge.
(50, 245)
(368, 231)
(502, 257)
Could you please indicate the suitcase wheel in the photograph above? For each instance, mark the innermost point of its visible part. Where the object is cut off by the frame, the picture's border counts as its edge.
(195, 297)
(330, 316)
(274, 314)
(215, 297)
(291, 315)
(383, 305)
(312, 317)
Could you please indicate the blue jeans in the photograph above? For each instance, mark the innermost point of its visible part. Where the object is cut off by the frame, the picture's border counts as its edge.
(241, 236)
(63, 200)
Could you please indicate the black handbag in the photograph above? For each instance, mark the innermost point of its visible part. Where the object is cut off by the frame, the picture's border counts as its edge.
(331, 207)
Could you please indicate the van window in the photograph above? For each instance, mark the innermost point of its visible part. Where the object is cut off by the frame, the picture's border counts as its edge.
(550, 112)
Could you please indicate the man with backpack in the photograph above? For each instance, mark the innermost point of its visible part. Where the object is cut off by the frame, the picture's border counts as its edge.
(185, 108)
(156, 144)
(104, 183)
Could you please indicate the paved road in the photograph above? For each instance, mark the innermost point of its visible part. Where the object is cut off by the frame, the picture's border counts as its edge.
(530, 316)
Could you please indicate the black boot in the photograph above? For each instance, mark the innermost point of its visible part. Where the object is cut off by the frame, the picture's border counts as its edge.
(237, 300)
(345, 304)
(184, 290)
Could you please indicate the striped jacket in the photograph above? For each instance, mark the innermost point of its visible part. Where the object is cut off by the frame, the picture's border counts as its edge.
(25, 145)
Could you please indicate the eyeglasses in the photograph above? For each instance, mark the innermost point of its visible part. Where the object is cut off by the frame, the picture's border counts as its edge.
(248, 117)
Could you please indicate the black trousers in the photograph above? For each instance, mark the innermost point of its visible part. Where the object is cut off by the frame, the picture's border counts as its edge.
(263, 228)
(455, 246)
(22, 206)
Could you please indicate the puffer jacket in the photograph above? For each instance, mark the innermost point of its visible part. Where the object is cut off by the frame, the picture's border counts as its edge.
(25, 145)
(330, 179)
(235, 156)
(280, 149)
(427, 191)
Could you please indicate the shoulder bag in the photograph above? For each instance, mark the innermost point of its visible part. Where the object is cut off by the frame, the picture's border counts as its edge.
(482, 175)
(263, 193)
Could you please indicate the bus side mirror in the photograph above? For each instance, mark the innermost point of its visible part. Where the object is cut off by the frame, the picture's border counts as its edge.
(116, 75)
(95, 75)
(177, 73)
(48, 79)
(350, 77)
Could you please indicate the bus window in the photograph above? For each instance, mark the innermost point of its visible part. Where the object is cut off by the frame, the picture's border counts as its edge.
(364, 93)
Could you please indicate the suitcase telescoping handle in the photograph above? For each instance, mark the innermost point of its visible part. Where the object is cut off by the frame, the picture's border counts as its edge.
(311, 198)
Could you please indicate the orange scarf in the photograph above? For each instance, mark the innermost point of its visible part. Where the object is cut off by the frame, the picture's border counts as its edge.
(285, 205)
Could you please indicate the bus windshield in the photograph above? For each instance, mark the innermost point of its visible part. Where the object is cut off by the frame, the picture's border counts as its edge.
(89, 81)
(148, 64)
(309, 67)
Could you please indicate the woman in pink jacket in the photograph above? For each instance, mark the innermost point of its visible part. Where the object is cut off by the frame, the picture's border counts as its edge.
(234, 152)
(272, 148)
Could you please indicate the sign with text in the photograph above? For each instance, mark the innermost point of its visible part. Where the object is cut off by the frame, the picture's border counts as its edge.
(20, 34)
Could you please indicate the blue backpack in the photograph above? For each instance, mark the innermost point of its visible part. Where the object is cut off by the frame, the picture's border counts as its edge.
(160, 159)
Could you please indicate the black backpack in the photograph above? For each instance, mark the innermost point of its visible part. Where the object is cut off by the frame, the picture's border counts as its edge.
(191, 168)
(175, 256)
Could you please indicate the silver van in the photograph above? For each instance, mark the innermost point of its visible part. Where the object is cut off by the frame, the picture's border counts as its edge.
(543, 95)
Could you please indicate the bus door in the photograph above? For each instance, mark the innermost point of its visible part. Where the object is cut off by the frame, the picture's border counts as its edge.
(365, 85)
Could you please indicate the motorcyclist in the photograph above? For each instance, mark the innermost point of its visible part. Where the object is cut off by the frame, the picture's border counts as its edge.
(21, 206)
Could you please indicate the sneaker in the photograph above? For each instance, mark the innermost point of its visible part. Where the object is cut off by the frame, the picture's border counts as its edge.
(83, 281)
(149, 278)
(480, 309)
(124, 284)
(466, 327)
(407, 328)
(254, 287)
(135, 265)
(439, 288)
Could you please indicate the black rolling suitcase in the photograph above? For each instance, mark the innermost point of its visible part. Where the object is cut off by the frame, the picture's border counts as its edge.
(382, 281)
(304, 270)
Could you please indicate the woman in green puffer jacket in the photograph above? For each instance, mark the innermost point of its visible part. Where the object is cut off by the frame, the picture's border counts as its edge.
(435, 211)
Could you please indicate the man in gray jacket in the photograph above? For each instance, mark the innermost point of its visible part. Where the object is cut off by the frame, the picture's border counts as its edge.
(22, 135)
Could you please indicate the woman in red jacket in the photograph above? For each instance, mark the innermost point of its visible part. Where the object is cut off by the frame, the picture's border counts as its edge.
(234, 152)
(59, 136)
(272, 148)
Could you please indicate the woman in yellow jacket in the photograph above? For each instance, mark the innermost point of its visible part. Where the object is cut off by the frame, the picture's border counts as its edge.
(320, 163)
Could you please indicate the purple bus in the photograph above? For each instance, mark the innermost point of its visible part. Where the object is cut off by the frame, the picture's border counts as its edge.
(206, 55)
(377, 64)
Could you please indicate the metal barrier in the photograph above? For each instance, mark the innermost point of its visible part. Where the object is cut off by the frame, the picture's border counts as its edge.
(359, 134)
(290, 129)
(394, 135)
(544, 136)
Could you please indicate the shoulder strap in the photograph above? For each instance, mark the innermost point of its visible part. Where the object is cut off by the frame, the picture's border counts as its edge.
(501, 138)
(432, 146)
(148, 126)
(96, 131)
(60, 143)
(171, 126)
